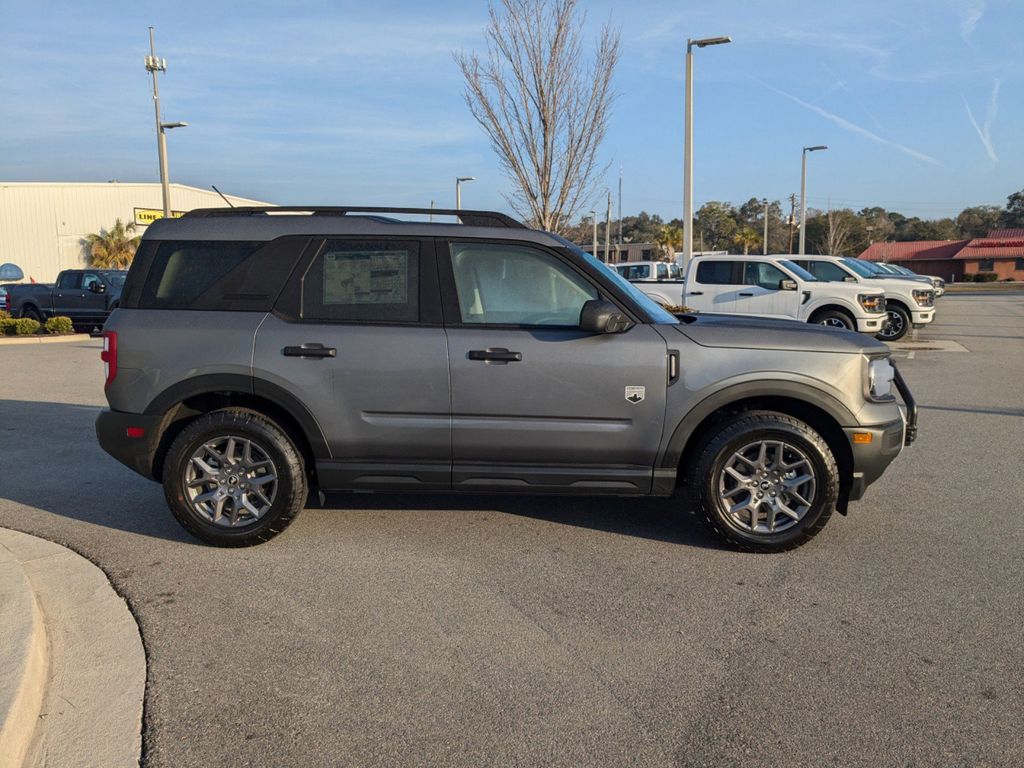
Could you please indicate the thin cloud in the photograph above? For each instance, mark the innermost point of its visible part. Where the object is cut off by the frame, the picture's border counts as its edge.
(985, 130)
(846, 125)
(841, 85)
(970, 14)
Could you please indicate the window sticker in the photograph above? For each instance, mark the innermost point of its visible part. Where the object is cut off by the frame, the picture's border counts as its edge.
(366, 277)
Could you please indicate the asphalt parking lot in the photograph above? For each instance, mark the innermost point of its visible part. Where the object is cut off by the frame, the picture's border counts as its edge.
(405, 630)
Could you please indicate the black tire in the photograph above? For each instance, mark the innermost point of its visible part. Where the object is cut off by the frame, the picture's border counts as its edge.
(291, 484)
(32, 313)
(896, 326)
(705, 474)
(833, 318)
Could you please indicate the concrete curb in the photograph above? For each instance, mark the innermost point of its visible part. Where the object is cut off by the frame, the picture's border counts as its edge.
(22, 661)
(90, 708)
(44, 339)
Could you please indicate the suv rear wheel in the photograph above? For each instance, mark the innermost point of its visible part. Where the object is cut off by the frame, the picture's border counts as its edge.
(764, 481)
(233, 478)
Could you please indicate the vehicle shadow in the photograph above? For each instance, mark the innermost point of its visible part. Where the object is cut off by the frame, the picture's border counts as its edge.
(50, 461)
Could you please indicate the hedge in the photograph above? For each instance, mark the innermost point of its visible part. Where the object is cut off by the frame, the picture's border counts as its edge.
(59, 325)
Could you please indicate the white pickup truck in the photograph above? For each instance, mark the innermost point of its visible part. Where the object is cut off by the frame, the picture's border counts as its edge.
(775, 287)
(658, 279)
(907, 302)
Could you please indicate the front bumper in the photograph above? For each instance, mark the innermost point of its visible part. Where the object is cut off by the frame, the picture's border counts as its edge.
(871, 458)
(921, 317)
(872, 323)
(136, 453)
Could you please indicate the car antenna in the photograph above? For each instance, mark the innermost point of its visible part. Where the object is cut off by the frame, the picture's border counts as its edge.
(222, 195)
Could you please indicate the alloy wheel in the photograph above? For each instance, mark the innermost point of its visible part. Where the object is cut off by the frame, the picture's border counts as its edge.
(230, 481)
(767, 487)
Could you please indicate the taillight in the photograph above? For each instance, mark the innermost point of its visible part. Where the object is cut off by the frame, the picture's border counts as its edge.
(109, 356)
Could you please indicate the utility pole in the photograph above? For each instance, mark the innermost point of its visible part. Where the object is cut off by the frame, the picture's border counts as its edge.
(792, 220)
(593, 220)
(154, 65)
(620, 206)
(765, 243)
(608, 231)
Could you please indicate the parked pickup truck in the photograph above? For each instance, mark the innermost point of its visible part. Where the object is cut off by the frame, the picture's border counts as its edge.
(775, 287)
(658, 279)
(87, 296)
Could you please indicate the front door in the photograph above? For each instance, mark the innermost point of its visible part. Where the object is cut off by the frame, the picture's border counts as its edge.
(537, 403)
(357, 338)
(761, 293)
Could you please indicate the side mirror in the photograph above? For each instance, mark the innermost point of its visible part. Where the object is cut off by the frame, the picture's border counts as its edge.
(787, 285)
(849, 279)
(600, 316)
(97, 287)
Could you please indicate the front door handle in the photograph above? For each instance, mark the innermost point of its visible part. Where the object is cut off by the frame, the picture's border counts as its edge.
(310, 350)
(495, 355)
(746, 294)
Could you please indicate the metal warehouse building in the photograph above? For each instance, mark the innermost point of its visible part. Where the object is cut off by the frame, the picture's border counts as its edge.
(43, 224)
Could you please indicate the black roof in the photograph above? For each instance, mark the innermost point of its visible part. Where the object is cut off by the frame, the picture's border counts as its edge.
(271, 222)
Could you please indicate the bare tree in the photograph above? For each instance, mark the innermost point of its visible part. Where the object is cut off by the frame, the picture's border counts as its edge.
(544, 110)
(837, 236)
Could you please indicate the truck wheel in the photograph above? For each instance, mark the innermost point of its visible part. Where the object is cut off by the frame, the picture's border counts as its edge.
(834, 319)
(896, 326)
(32, 313)
(233, 478)
(763, 481)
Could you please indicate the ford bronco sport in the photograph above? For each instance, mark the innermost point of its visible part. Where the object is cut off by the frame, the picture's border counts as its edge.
(261, 353)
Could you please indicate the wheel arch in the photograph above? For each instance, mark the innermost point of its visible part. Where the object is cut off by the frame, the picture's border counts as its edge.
(833, 308)
(818, 409)
(179, 404)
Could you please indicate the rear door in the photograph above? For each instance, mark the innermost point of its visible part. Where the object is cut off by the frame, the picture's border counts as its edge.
(67, 295)
(716, 285)
(357, 337)
(536, 402)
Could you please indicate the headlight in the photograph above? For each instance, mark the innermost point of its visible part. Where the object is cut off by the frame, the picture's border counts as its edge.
(925, 298)
(880, 376)
(872, 302)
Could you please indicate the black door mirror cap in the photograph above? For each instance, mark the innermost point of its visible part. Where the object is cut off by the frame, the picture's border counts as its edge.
(97, 287)
(600, 316)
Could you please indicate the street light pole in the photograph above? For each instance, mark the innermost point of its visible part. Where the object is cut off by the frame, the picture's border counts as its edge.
(688, 146)
(458, 189)
(593, 218)
(765, 243)
(803, 194)
(154, 65)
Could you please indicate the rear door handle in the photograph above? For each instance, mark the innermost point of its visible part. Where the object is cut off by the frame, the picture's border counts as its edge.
(495, 355)
(746, 294)
(695, 293)
(310, 350)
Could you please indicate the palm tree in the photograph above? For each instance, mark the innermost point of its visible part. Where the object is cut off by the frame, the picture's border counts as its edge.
(746, 239)
(113, 248)
(669, 240)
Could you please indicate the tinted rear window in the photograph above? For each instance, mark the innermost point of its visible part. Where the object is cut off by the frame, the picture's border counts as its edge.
(214, 275)
(717, 273)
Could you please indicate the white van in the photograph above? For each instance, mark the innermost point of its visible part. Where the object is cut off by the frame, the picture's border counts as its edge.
(775, 287)
(908, 302)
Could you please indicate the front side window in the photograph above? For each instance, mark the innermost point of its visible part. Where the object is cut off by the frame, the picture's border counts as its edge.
(717, 272)
(764, 275)
(363, 282)
(516, 285)
(89, 280)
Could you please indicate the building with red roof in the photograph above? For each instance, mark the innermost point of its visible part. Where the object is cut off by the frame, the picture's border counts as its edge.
(1001, 252)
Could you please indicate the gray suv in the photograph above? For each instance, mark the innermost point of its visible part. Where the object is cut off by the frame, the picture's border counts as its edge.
(260, 353)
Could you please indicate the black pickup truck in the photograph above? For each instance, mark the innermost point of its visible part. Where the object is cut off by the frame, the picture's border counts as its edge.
(87, 296)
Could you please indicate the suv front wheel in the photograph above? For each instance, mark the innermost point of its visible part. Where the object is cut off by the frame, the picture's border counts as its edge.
(233, 478)
(764, 481)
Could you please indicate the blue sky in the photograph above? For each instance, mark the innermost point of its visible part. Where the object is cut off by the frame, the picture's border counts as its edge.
(921, 103)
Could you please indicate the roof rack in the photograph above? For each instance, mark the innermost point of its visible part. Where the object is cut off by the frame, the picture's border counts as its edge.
(468, 218)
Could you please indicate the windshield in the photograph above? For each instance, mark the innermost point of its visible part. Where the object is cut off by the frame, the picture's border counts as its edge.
(860, 267)
(799, 271)
(649, 305)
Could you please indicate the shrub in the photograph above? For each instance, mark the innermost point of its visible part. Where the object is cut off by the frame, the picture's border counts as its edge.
(4, 314)
(59, 325)
(26, 326)
(968, 277)
(7, 326)
(986, 277)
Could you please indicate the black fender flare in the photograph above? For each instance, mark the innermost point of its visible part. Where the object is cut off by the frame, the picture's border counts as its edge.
(247, 385)
(745, 391)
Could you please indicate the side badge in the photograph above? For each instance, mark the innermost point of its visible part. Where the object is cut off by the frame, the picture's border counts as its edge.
(635, 394)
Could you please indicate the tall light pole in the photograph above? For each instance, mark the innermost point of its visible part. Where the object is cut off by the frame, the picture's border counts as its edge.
(688, 146)
(593, 218)
(154, 65)
(803, 194)
(765, 241)
(620, 206)
(458, 189)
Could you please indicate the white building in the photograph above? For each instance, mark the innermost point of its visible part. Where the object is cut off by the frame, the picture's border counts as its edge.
(43, 224)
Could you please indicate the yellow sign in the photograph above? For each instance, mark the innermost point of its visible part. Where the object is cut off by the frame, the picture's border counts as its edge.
(146, 216)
